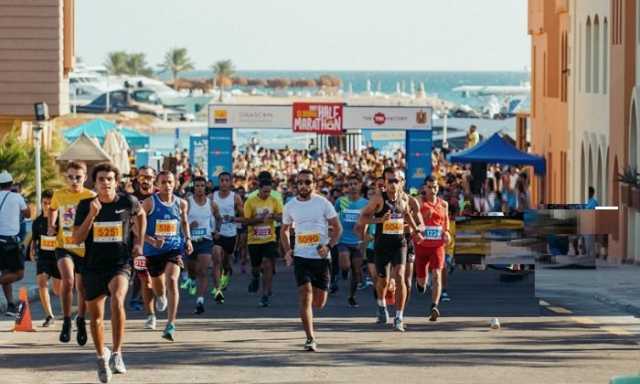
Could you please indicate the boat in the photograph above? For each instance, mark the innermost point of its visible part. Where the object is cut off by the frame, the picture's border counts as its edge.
(487, 90)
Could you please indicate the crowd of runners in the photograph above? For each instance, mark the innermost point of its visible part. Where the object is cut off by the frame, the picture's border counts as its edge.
(152, 237)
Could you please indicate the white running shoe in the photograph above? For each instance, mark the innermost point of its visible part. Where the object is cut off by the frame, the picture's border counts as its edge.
(161, 303)
(117, 364)
(150, 323)
(104, 372)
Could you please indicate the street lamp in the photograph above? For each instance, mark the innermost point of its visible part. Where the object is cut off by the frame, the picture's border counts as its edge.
(42, 115)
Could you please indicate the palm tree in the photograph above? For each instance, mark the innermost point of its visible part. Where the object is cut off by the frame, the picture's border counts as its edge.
(222, 70)
(116, 63)
(176, 61)
(137, 65)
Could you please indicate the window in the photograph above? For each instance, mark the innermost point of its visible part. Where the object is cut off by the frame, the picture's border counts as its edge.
(564, 67)
(588, 58)
(596, 55)
(605, 55)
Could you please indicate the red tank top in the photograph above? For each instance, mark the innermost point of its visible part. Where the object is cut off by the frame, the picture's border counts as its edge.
(434, 216)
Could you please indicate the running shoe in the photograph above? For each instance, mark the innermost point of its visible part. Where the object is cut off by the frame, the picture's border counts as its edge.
(362, 285)
(161, 303)
(224, 281)
(193, 289)
(398, 325)
(117, 364)
(135, 305)
(264, 301)
(49, 321)
(12, 309)
(311, 345)
(150, 323)
(353, 303)
(186, 283)
(334, 287)
(169, 331)
(104, 372)
(254, 285)
(199, 309)
(81, 335)
(445, 296)
(383, 315)
(219, 297)
(435, 313)
(65, 333)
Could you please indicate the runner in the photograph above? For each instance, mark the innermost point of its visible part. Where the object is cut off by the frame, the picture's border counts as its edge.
(449, 258)
(411, 250)
(389, 210)
(261, 212)
(349, 248)
(43, 253)
(103, 223)
(204, 219)
(164, 246)
(69, 254)
(145, 188)
(430, 253)
(317, 231)
(230, 207)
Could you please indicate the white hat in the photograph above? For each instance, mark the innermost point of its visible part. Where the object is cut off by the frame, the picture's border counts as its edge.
(5, 177)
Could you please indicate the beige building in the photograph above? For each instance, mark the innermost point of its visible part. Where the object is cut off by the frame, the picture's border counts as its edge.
(36, 56)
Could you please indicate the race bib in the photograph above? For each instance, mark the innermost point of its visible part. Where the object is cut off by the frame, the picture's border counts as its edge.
(433, 233)
(140, 263)
(107, 232)
(262, 232)
(393, 226)
(350, 215)
(67, 237)
(67, 216)
(308, 240)
(48, 243)
(166, 228)
(198, 234)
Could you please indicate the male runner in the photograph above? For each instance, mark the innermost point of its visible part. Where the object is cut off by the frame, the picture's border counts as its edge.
(145, 188)
(70, 255)
(103, 223)
(430, 253)
(261, 212)
(317, 231)
(43, 251)
(164, 246)
(230, 206)
(388, 211)
(349, 248)
(204, 219)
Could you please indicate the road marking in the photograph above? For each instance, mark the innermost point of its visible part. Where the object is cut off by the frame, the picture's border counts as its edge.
(612, 330)
(560, 310)
(543, 303)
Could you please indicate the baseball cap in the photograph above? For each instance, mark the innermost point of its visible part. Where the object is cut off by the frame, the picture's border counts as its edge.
(5, 177)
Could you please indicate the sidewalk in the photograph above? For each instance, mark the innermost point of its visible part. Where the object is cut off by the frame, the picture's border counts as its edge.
(28, 281)
(617, 285)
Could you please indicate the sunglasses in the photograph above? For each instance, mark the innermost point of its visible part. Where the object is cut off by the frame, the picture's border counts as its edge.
(393, 181)
(74, 178)
(305, 182)
(147, 178)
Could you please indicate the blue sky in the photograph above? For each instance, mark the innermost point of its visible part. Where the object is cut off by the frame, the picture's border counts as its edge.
(318, 35)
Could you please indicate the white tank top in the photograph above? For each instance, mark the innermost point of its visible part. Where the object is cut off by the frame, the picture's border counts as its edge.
(203, 215)
(227, 207)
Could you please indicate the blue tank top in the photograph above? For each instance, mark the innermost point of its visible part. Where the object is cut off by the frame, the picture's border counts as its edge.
(349, 212)
(164, 222)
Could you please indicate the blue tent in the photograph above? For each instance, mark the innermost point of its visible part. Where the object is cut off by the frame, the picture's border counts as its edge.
(98, 128)
(496, 150)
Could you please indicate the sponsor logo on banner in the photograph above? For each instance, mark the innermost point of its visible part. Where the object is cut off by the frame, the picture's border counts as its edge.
(379, 118)
(220, 116)
(421, 117)
(318, 117)
(358, 117)
(419, 173)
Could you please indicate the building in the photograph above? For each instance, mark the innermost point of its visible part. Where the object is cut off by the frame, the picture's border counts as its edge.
(36, 56)
(549, 27)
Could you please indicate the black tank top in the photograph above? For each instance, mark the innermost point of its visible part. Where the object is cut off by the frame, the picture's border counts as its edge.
(393, 230)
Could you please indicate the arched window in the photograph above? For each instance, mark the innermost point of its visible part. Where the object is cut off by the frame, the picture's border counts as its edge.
(605, 55)
(596, 55)
(587, 59)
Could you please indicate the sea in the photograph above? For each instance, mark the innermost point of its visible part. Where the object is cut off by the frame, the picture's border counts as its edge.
(436, 83)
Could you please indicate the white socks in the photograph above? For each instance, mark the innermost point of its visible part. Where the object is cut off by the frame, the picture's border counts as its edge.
(399, 315)
(200, 300)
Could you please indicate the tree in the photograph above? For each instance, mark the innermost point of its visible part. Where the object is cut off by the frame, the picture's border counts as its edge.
(176, 61)
(137, 65)
(16, 156)
(222, 71)
(116, 63)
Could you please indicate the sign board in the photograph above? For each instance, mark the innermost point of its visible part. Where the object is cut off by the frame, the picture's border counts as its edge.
(198, 146)
(250, 116)
(325, 118)
(419, 145)
(383, 117)
(220, 152)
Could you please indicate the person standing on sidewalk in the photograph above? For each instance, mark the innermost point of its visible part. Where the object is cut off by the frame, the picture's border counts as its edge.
(12, 206)
(164, 246)
(43, 253)
(104, 224)
(69, 254)
(317, 230)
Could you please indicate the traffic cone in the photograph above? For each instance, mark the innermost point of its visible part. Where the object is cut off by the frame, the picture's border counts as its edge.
(23, 317)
